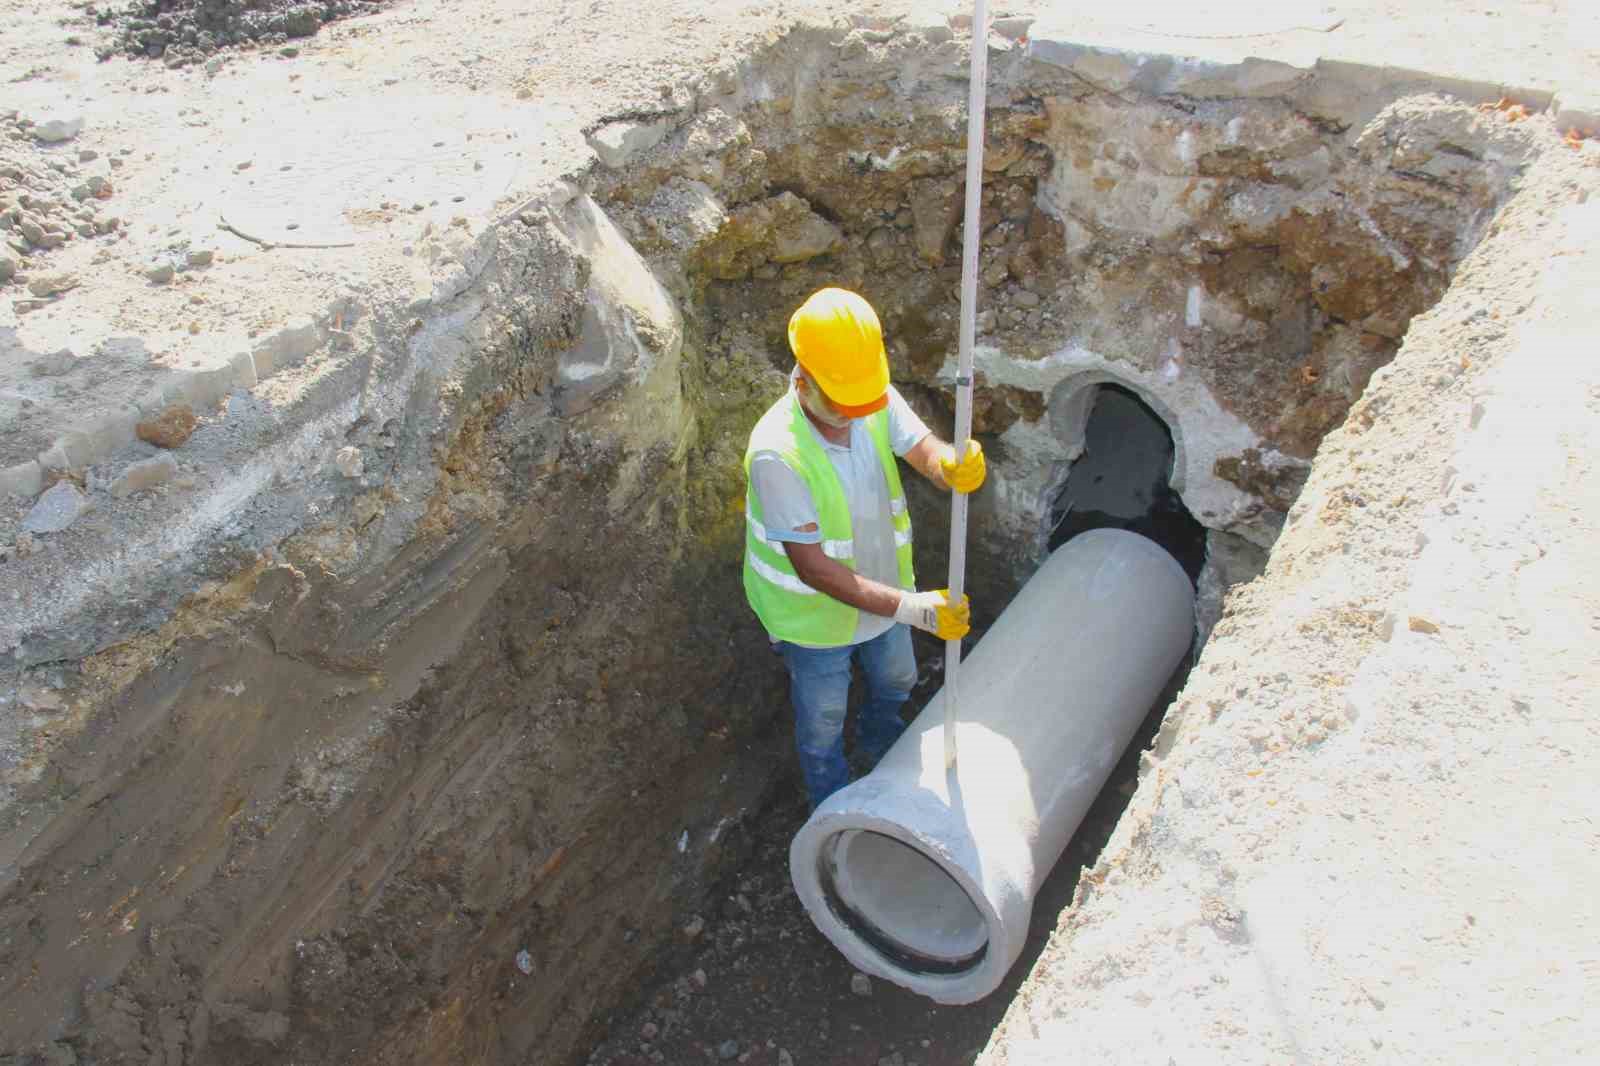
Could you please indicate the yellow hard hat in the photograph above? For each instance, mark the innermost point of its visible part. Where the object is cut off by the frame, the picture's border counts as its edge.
(835, 335)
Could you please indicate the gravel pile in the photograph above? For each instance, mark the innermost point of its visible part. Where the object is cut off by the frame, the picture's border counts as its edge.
(50, 194)
(180, 32)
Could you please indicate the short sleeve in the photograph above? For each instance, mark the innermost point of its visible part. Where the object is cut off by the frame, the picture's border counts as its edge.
(785, 501)
(906, 429)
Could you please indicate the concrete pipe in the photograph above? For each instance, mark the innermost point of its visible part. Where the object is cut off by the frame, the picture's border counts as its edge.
(926, 878)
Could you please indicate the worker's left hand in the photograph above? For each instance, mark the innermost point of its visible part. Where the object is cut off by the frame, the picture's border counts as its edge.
(968, 474)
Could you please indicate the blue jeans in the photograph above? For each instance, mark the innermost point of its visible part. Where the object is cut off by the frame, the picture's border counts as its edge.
(819, 685)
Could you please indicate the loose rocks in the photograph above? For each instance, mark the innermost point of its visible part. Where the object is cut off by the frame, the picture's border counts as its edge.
(619, 143)
(170, 428)
(57, 509)
(52, 284)
(180, 32)
(56, 130)
(46, 198)
(861, 984)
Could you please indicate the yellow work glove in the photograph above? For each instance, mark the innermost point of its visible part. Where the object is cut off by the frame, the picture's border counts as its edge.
(933, 612)
(966, 475)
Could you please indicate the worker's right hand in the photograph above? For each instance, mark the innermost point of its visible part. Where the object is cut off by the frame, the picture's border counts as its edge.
(933, 612)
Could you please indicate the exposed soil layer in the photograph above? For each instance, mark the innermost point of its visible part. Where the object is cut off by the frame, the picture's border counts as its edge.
(184, 31)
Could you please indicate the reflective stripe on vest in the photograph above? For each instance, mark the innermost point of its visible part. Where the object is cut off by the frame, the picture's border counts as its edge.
(788, 607)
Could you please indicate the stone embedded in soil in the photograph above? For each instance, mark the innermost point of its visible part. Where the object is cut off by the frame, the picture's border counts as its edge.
(24, 479)
(161, 273)
(696, 926)
(728, 1049)
(54, 363)
(349, 462)
(170, 428)
(52, 284)
(861, 984)
(146, 474)
(618, 143)
(935, 207)
(780, 229)
(1013, 27)
(56, 130)
(929, 25)
(41, 700)
(58, 508)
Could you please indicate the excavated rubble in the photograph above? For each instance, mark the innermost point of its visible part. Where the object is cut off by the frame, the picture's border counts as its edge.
(421, 753)
(180, 32)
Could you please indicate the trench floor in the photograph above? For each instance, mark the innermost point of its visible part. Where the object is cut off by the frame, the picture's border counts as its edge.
(760, 986)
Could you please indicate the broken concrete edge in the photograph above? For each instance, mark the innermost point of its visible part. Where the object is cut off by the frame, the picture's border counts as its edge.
(1329, 88)
(87, 443)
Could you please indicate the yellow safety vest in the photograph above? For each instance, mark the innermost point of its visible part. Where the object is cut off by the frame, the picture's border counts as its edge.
(789, 608)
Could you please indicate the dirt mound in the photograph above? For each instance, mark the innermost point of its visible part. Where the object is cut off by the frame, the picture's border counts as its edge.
(185, 31)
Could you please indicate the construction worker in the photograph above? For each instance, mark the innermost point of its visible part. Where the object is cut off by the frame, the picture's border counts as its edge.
(827, 564)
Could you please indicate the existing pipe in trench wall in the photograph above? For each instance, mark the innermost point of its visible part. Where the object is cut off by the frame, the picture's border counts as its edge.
(926, 877)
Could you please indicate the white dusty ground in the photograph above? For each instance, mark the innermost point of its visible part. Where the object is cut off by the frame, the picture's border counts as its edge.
(1368, 832)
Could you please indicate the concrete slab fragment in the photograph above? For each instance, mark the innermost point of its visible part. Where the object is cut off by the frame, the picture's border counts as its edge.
(620, 143)
(146, 474)
(58, 508)
(24, 479)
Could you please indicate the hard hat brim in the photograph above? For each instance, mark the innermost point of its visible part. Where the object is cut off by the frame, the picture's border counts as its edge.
(861, 410)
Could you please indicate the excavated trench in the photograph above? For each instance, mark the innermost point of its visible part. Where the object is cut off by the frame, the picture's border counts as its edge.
(482, 777)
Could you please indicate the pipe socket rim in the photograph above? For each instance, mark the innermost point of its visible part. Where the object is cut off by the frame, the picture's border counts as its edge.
(1001, 902)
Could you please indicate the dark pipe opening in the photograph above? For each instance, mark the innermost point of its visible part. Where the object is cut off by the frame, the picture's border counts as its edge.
(1123, 481)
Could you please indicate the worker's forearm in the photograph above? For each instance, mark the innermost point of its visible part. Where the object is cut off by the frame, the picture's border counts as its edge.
(925, 457)
(832, 578)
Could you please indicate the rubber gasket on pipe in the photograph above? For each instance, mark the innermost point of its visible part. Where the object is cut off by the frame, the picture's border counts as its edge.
(925, 877)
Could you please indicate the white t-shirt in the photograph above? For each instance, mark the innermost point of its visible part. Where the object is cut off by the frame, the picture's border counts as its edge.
(786, 503)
